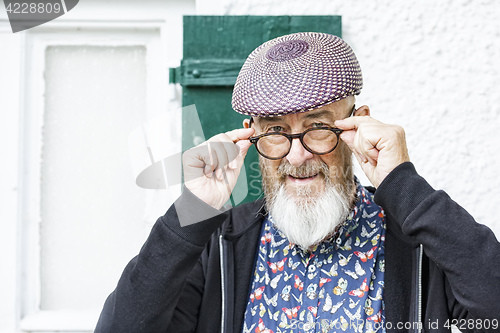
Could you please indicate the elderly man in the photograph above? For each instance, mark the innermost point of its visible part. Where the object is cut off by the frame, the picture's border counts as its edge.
(320, 253)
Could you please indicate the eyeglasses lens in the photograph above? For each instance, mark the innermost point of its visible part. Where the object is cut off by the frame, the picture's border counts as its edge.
(319, 141)
(273, 146)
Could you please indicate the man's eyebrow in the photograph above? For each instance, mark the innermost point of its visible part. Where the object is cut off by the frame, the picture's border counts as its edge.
(319, 114)
(269, 119)
(313, 115)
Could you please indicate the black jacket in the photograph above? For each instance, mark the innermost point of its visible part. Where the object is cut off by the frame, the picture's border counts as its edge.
(440, 264)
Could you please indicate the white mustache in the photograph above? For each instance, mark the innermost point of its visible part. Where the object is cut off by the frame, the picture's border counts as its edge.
(310, 168)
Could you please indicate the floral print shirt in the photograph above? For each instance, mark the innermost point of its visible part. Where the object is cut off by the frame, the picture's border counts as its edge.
(338, 286)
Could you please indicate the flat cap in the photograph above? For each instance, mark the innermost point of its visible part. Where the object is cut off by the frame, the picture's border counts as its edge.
(296, 73)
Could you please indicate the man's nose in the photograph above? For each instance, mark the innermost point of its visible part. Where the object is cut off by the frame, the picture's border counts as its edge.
(298, 154)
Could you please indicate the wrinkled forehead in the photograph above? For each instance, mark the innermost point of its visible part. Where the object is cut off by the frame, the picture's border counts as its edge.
(331, 112)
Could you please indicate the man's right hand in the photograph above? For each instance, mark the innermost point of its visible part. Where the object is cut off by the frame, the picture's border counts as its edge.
(212, 168)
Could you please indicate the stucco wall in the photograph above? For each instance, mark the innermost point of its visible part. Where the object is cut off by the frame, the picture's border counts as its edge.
(432, 67)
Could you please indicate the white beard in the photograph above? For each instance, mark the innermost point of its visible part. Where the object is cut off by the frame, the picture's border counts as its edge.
(310, 221)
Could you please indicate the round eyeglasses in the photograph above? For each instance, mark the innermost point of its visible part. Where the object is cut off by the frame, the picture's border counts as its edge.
(318, 140)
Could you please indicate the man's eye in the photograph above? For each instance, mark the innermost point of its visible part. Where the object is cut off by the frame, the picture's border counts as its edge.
(318, 125)
(276, 129)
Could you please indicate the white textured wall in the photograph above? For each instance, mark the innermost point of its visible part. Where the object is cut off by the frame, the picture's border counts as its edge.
(432, 67)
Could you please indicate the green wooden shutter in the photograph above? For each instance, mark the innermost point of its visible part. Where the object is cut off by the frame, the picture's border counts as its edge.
(215, 48)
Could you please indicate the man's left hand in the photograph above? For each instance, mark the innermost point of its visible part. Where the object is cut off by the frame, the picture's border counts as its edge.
(378, 147)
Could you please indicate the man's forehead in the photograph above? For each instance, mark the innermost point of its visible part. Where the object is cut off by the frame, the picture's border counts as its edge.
(331, 111)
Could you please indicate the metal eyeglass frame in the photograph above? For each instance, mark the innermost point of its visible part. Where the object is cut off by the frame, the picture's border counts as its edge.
(299, 136)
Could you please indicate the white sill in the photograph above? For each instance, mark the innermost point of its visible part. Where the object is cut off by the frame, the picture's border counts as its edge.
(60, 321)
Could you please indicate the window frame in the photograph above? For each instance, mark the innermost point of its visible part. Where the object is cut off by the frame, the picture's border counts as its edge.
(148, 34)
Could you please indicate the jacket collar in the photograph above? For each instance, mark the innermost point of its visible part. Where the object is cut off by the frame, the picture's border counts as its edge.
(254, 212)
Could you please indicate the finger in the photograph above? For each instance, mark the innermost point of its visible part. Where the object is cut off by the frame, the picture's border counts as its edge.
(231, 142)
(227, 152)
(240, 138)
(372, 155)
(348, 138)
(359, 157)
(243, 147)
(353, 123)
(237, 162)
(220, 153)
(371, 140)
(352, 139)
(194, 157)
(211, 160)
(364, 148)
(240, 134)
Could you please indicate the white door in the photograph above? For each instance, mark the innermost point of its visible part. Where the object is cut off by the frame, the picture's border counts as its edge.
(72, 92)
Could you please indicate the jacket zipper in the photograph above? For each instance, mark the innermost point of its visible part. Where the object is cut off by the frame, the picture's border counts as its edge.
(419, 288)
(223, 285)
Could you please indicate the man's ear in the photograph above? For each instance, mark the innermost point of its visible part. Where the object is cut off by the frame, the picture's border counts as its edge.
(362, 111)
(246, 123)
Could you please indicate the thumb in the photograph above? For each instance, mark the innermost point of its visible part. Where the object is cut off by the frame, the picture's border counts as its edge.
(240, 137)
(347, 124)
(348, 138)
(243, 146)
(240, 134)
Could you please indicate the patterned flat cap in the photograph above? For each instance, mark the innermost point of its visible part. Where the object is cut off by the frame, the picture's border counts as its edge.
(296, 73)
